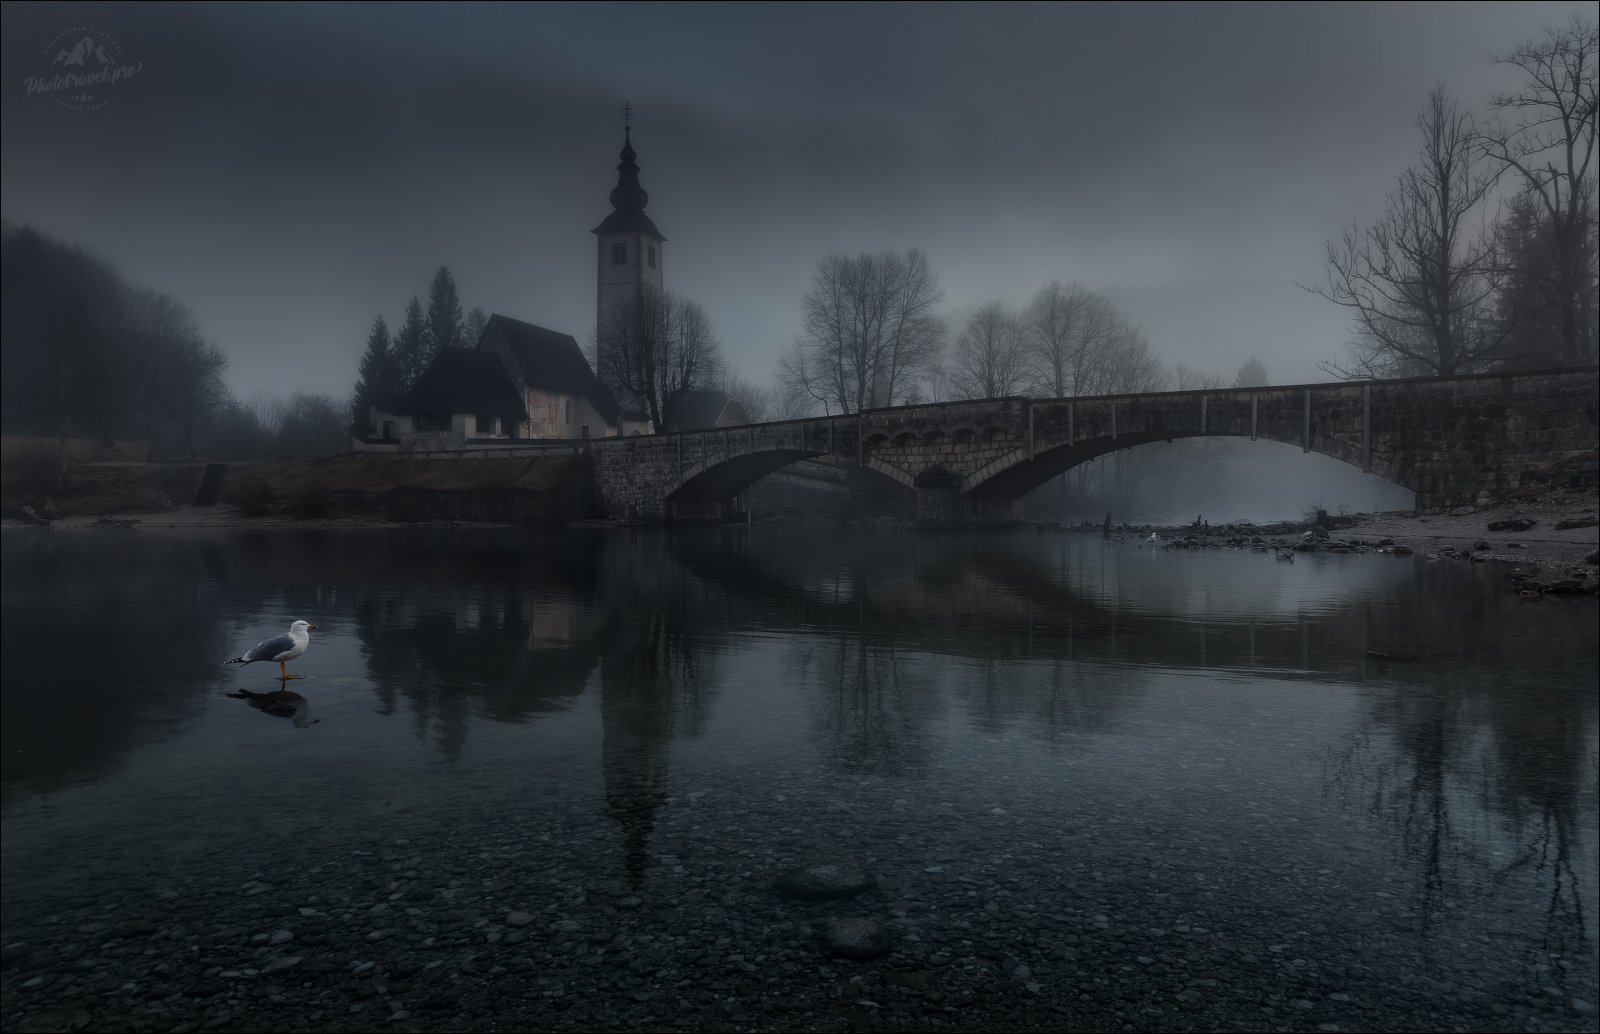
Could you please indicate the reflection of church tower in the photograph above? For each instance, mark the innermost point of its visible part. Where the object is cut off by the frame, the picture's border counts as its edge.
(636, 702)
(629, 246)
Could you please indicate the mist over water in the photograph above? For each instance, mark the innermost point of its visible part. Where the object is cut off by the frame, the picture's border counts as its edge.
(1225, 480)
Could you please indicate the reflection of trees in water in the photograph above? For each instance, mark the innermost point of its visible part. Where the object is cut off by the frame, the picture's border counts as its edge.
(1485, 741)
(454, 624)
(486, 649)
(107, 639)
(1061, 697)
(887, 613)
(1408, 789)
(875, 707)
(1546, 762)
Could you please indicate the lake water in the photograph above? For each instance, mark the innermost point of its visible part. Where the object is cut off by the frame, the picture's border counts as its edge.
(549, 778)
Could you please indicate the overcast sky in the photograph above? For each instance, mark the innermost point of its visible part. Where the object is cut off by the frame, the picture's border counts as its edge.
(292, 171)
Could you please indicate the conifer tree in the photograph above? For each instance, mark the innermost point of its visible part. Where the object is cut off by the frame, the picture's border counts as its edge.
(444, 313)
(411, 347)
(472, 332)
(379, 375)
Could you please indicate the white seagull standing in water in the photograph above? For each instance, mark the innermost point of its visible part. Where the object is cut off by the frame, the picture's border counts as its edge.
(280, 648)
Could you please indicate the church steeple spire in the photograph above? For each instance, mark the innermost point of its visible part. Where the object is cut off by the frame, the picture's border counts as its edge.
(628, 198)
(628, 195)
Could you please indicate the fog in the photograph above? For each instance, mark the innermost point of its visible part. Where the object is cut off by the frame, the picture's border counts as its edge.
(292, 171)
(1219, 480)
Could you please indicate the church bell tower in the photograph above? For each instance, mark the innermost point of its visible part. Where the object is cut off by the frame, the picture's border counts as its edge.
(628, 244)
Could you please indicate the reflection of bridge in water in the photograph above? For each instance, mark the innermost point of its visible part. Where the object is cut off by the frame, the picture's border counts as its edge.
(1445, 438)
(996, 600)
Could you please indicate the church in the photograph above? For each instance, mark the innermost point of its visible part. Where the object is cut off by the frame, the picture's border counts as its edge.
(522, 383)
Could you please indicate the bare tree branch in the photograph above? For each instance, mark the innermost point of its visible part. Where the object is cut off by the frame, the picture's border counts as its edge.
(1420, 282)
(870, 330)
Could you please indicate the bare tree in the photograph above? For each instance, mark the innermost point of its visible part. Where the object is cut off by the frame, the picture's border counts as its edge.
(193, 387)
(1069, 331)
(1127, 367)
(789, 402)
(654, 349)
(758, 403)
(989, 360)
(1186, 379)
(1420, 282)
(1552, 151)
(870, 330)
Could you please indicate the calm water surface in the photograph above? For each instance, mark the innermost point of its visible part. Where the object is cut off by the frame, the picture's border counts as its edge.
(1123, 737)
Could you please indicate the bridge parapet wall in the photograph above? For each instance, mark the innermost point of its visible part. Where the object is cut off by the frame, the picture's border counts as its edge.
(1447, 439)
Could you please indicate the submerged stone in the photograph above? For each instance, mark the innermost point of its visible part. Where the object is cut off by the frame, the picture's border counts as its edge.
(822, 882)
(855, 939)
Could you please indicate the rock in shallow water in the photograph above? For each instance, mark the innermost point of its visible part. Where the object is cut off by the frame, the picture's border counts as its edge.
(822, 882)
(855, 939)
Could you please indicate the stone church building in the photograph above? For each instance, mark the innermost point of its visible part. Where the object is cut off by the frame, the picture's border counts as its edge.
(523, 383)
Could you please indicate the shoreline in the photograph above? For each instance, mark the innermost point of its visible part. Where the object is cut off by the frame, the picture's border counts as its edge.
(1461, 535)
(1540, 543)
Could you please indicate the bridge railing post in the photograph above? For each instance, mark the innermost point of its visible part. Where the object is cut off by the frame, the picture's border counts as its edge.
(1305, 432)
(1366, 429)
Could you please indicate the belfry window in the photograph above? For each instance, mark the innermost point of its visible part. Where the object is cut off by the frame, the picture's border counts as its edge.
(650, 253)
(619, 254)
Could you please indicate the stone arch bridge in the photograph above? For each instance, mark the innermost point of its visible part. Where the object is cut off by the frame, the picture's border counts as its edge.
(1445, 438)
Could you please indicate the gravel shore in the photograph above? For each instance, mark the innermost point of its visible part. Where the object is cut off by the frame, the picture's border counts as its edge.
(487, 928)
(1560, 536)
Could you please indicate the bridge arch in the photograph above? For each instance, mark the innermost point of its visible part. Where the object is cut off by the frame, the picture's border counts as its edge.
(1016, 473)
(724, 477)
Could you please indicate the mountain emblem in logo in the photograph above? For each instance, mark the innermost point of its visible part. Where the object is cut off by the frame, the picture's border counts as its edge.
(87, 69)
(86, 47)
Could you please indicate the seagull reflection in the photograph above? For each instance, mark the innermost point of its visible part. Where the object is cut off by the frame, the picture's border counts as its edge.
(280, 703)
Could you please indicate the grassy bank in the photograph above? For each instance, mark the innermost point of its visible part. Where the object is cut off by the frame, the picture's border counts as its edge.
(543, 489)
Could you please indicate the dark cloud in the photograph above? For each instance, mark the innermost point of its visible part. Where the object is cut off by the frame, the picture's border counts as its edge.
(290, 171)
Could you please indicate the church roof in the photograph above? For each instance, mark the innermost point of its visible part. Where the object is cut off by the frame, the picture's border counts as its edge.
(628, 198)
(462, 380)
(550, 360)
(697, 410)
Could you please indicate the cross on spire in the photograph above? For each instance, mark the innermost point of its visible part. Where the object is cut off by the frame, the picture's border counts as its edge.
(627, 114)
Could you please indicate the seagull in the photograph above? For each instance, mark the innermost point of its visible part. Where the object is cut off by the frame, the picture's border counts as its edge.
(280, 648)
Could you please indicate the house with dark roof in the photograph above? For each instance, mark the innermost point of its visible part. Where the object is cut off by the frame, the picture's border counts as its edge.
(521, 382)
(562, 396)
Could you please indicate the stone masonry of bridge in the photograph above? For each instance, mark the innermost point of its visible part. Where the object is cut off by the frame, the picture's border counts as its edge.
(1448, 439)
